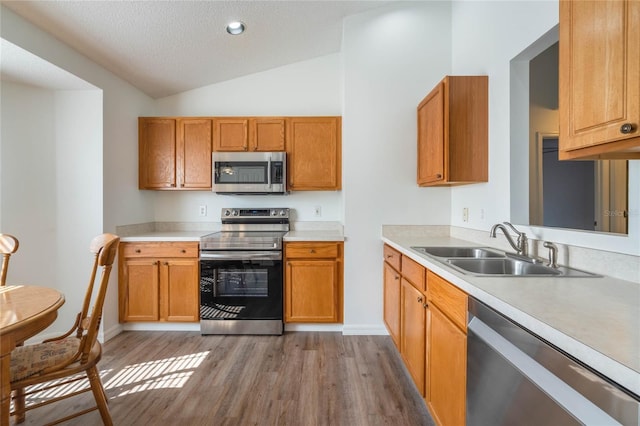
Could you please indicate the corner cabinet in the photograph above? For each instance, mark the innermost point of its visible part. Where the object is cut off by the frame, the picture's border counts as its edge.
(453, 132)
(158, 282)
(314, 148)
(249, 134)
(599, 80)
(174, 154)
(313, 285)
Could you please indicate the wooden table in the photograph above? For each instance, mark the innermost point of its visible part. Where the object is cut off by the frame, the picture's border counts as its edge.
(24, 312)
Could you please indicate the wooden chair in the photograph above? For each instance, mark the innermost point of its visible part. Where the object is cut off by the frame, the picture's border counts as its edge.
(8, 246)
(77, 351)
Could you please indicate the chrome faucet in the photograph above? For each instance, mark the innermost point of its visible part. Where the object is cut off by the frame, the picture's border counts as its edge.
(521, 247)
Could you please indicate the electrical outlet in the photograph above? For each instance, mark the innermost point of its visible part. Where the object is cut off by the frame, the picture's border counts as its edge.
(465, 214)
(203, 210)
(317, 211)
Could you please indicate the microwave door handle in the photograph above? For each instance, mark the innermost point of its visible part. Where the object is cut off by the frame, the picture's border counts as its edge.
(269, 173)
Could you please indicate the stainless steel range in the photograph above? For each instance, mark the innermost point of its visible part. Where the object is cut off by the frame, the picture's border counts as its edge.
(241, 273)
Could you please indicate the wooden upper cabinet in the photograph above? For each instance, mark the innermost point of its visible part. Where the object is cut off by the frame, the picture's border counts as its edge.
(314, 148)
(194, 149)
(174, 153)
(231, 134)
(453, 132)
(249, 134)
(599, 80)
(156, 153)
(267, 134)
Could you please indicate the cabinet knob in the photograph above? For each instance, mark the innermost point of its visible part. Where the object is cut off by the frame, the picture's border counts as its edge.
(397, 277)
(420, 299)
(155, 263)
(166, 263)
(424, 305)
(627, 128)
(138, 251)
(439, 176)
(183, 251)
(389, 256)
(312, 251)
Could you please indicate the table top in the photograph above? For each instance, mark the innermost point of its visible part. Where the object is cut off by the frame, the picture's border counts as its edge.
(26, 303)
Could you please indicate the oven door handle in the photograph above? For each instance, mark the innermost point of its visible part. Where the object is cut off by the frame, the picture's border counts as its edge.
(241, 255)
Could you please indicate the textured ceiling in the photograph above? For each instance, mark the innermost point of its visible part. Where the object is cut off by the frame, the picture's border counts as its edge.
(167, 47)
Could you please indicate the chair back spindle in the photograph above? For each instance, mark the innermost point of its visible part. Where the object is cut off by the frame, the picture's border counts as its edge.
(8, 245)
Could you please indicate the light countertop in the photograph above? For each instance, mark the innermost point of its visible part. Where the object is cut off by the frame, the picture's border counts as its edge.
(594, 319)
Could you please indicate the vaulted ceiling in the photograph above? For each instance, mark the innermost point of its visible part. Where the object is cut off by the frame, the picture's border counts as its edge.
(167, 47)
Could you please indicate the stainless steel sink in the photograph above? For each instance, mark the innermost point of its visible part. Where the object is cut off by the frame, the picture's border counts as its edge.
(453, 252)
(505, 266)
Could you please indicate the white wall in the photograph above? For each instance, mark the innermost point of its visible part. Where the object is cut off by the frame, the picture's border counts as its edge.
(486, 37)
(52, 188)
(392, 58)
(116, 159)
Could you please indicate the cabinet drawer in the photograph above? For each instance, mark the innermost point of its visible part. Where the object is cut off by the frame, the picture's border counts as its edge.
(392, 257)
(414, 272)
(311, 250)
(163, 249)
(450, 299)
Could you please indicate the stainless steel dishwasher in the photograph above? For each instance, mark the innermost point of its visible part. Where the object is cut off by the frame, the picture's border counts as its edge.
(516, 378)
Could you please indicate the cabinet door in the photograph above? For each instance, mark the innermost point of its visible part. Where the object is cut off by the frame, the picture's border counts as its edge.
(432, 159)
(194, 151)
(311, 291)
(447, 369)
(599, 87)
(314, 148)
(267, 134)
(139, 289)
(413, 335)
(156, 153)
(392, 303)
(231, 134)
(179, 290)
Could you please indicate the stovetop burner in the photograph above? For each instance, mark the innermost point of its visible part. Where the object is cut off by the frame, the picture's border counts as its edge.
(248, 229)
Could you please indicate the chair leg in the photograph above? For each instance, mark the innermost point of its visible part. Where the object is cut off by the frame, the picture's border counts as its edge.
(18, 404)
(99, 395)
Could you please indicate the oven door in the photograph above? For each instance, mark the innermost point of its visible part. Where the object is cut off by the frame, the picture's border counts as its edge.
(241, 285)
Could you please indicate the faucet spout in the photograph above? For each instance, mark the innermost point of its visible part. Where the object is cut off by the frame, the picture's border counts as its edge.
(521, 246)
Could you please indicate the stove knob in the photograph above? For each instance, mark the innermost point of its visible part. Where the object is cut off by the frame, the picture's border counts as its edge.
(227, 212)
(274, 213)
(283, 213)
(235, 212)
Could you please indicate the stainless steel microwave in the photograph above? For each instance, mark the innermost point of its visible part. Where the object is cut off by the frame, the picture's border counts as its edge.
(250, 172)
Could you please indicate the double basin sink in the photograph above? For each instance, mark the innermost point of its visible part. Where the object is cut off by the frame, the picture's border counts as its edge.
(482, 261)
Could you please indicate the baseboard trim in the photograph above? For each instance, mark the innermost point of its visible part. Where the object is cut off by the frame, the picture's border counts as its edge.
(161, 326)
(313, 327)
(364, 330)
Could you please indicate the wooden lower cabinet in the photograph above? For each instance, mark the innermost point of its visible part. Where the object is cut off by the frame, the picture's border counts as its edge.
(428, 316)
(413, 334)
(158, 282)
(313, 290)
(392, 302)
(447, 351)
(447, 369)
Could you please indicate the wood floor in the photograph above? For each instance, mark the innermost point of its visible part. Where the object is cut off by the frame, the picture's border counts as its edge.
(301, 378)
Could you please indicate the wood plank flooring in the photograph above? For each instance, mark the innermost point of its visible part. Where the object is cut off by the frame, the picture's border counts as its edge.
(301, 378)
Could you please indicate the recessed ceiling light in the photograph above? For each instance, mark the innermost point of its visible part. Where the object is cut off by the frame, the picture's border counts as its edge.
(235, 28)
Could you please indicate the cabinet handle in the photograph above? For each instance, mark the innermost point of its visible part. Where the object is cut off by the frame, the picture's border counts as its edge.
(627, 128)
